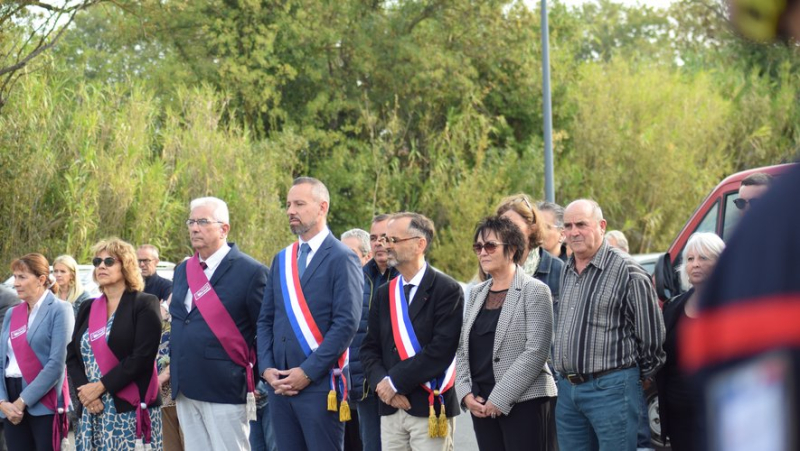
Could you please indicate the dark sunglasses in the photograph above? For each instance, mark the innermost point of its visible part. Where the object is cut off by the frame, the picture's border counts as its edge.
(490, 247)
(109, 261)
(741, 204)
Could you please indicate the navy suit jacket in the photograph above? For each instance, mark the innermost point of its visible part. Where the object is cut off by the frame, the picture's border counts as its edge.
(199, 366)
(48, 336)
(333, 284)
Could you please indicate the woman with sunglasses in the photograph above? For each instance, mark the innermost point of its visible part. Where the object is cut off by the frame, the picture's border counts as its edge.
(33, 343)
(112, 356)
(501, 376)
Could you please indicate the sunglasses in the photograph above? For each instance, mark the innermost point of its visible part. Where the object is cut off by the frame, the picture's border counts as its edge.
(741, 204)
(489, 246)
(108, 261)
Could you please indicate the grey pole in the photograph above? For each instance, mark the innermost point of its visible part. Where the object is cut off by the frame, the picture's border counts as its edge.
(549, 191)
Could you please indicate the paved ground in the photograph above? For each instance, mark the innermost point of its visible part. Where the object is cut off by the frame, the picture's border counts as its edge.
(465, 435)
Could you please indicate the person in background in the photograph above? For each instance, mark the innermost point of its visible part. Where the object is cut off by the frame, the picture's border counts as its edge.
(553, 242)
(112, 356)
(502, 377)
(70, 289)
(33, 347)
(147, 256)
(358, 241)
(678, 400)
(752, 188)
(618, 239)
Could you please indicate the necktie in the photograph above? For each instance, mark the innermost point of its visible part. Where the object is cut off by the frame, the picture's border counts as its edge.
(204, 265)
(302, 257)
(407, 290)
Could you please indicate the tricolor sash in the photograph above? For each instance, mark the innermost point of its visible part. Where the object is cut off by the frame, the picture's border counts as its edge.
(305, 328)
(30, 366)
(223, 327)
(107, 361)
(405, 340)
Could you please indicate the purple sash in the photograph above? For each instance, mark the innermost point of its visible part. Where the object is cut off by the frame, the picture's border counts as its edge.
(222, 326)
(30, 366)
(107, 361)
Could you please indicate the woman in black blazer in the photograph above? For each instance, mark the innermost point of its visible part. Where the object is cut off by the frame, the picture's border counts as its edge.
(133, 334)
(678, 400)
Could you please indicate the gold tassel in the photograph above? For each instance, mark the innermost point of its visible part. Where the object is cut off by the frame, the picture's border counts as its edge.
(442, 423)
(344, 411)
(433, 428)
(332, 401)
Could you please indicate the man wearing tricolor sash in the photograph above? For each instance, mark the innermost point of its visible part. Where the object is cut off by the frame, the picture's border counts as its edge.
(412, 338)
(309, 316)
(216, 298)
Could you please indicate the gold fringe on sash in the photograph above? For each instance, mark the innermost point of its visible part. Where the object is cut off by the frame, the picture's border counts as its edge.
(344, 411)
(332, 401)
(433, 427)
(442, 423)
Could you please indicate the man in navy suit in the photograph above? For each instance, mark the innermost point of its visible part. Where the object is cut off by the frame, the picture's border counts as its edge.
(310, 314)
(210, 388)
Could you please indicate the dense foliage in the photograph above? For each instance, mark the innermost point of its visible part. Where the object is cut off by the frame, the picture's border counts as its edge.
(428, 105)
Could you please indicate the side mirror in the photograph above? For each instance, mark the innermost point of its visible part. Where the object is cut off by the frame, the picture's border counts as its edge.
(667, 282)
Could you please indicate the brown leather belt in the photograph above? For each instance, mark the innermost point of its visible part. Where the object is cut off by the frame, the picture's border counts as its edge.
(577, 378)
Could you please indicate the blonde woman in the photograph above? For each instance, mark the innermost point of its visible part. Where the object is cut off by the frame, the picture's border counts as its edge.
(70, 289)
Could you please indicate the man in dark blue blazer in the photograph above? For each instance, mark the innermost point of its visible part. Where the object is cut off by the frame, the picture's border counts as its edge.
(211, 390)
(299, 373)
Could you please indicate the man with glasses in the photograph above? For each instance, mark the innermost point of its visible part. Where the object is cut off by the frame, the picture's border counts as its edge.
(409, 351)
(311, 310)
(147, 254)
(753, 187)
(217, 296)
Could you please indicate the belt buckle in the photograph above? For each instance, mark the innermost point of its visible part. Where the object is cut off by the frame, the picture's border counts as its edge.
(575, 379)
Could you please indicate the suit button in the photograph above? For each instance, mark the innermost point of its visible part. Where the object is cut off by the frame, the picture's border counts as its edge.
(283, 338)
(496, 359)
(394, 348)
(186, 322)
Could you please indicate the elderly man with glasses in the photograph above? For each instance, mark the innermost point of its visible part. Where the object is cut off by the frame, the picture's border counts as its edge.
(158, 286)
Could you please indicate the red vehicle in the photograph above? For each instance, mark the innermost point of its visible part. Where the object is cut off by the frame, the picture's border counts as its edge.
(717, 214)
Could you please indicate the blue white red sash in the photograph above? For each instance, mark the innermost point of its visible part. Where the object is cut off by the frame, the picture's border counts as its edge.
(305, 328)
(408, 346)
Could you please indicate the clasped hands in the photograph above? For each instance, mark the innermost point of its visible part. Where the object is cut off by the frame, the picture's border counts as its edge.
(481, 408)
(387, 394)
(14, 411)
(89, 395)
(286, 382)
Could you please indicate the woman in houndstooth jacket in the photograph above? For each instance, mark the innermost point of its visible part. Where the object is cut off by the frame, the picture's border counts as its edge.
(501, 377)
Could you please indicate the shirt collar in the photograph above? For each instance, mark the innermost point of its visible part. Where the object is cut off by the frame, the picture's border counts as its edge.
(417, 279)
(315, 242)
(216, 258)
(39, 303)
(598, 260)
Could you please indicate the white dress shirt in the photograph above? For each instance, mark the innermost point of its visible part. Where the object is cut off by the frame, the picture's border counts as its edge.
(314, 243)
(213, 262)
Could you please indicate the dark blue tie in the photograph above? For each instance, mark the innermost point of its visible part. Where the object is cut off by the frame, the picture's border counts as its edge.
(407, 291)
(302, 257)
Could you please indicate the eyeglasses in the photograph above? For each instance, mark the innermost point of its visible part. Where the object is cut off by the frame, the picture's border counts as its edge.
(201, 222)
(108, 261)
(741, 204)
(489, 246)
(144, 261)
(395, 240)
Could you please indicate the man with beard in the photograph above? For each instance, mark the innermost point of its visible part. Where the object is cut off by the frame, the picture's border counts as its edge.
(412, 338)
(310, 314)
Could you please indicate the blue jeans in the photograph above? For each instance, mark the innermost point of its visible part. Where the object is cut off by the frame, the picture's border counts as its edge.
(262, 437)
(369, 423)
(643, 435)
(599, 414)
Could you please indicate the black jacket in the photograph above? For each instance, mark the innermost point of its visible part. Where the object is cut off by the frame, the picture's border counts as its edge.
(134, 339)
(436, 313)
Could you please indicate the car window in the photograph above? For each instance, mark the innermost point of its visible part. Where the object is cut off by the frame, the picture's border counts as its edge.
(709, 222)
(731, 216)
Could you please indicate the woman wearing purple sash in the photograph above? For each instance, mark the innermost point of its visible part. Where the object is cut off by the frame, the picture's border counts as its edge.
(112, 356)
(33, 345)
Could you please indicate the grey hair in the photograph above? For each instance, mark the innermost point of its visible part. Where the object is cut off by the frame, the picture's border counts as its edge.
(318, 189)
(219, 209)
(619, 237)
(597, 212)
(149, 247)
(420, 225)
(363, 239)
(706, 244)
(558, 211)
